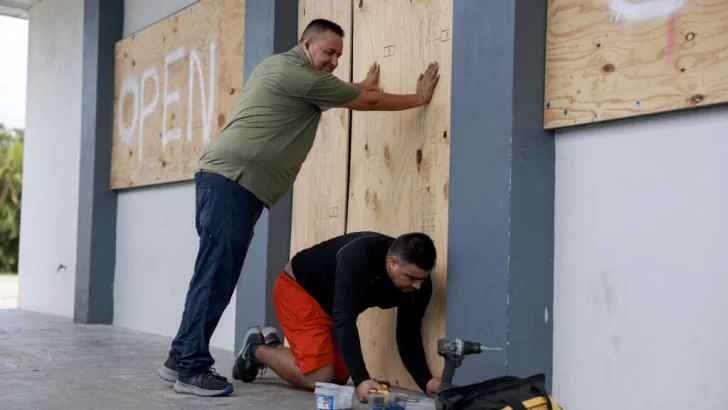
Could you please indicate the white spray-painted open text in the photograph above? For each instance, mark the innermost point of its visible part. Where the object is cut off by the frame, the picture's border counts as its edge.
(644, 10)
(144, 107)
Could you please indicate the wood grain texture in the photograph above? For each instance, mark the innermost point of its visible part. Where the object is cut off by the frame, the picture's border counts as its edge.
(399, 170)
(319, 193)
(176, 83)
(610, 59)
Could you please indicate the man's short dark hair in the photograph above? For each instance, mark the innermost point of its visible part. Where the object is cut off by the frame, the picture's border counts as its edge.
(416, 248)
(318, 27)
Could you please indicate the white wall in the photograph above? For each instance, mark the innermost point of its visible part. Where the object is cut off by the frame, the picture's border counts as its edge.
(49, 214)
(640, 271)
(156, 241)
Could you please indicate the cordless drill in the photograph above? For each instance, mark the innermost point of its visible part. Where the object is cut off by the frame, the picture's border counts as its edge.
(454, 350)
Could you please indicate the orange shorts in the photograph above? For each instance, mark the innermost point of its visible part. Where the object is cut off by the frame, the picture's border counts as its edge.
(306, 326)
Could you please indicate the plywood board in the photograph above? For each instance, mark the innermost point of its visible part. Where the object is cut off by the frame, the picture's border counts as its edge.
(319, 193)
(400, 160)
(176, 83)
(610, 59)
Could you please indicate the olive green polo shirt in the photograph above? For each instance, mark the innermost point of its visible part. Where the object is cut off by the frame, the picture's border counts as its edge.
(267, 139)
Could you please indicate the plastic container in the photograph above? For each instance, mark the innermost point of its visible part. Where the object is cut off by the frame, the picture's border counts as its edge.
(331, 396)
(387, 401)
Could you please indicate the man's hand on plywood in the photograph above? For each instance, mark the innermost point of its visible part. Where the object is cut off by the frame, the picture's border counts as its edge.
(371, 83)
(427, 81)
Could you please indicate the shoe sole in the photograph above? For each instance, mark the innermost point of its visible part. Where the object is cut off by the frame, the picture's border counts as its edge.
(246, 336)
(268, 330)
(183, 388)
(167, 374)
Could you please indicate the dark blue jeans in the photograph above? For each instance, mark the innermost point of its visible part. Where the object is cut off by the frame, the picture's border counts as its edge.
(225, 216)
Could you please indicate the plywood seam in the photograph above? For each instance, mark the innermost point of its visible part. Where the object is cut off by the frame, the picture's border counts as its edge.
(349, 131)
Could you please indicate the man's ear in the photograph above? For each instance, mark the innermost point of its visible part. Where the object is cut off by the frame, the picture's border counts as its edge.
(393, 260)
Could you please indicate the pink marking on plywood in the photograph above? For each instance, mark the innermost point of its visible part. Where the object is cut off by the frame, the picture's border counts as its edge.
(671, 35)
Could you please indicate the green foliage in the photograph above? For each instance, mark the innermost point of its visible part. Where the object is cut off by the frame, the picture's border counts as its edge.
(11, 182)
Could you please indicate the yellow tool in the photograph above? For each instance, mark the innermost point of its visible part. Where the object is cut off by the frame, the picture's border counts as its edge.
(385, 399)
(387, 385)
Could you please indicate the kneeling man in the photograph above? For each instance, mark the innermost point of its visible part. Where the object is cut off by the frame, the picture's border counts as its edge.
(320, 294)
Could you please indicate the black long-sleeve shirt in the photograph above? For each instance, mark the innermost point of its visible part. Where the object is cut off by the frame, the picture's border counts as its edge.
(346, 275)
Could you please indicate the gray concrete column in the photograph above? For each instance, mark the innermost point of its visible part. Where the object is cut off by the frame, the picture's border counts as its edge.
(271, 27)
(96, 248)
(501, 216)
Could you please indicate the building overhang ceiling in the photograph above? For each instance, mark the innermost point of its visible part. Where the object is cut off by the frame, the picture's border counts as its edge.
(17, 8)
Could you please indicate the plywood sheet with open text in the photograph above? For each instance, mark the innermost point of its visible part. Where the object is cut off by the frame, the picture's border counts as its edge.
(319, 193)
(176, 83)
(610, 59)
(400, 160)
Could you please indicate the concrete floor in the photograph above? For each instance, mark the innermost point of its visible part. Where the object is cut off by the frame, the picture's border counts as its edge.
(47, 362)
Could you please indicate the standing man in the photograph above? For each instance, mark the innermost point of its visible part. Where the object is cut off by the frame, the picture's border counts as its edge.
(251, 164)
(318, 298)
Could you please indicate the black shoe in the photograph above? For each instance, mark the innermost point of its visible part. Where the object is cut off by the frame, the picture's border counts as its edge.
(206, 384)
(270, 335)
(168, 371)
(246, 368)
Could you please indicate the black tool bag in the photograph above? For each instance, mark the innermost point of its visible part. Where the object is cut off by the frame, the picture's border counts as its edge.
(501, 393)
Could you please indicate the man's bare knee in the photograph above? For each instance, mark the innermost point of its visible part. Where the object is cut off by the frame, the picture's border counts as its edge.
(323, 374)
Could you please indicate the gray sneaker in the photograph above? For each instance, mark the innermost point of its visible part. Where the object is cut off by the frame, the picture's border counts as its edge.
(246, 368)
(206, 384)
